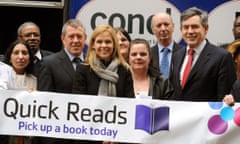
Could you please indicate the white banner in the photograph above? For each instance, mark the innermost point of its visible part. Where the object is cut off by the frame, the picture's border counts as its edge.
(117, 119)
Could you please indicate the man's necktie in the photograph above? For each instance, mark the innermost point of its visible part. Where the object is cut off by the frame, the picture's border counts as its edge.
(188, 67)
(164, 66)
(35, 59)
(76, 61)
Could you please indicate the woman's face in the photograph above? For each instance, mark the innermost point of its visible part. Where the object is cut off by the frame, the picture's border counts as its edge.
(104, 46)
(20, 58)
(124, 44)
(139, 57)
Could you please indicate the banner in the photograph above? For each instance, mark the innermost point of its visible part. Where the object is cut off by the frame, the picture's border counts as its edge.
(102, 118)
(135, 16)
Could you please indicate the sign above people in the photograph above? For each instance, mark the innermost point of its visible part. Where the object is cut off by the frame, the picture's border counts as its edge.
(137, 19)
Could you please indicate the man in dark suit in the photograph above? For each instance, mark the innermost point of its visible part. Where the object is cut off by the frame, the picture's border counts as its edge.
(212, 71)
(30, 32)
(162, 28)
(58, 70)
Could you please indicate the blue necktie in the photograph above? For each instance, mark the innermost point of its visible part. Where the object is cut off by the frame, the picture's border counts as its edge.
(164, 66)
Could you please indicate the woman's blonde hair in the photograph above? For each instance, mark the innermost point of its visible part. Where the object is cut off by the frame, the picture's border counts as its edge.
(91, 54)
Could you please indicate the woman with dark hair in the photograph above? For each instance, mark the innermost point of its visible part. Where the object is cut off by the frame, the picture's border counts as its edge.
(148, 82)
(124, 40)
(19, 56)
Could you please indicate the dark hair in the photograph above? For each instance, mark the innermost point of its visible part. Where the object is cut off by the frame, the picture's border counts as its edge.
(124, 32)
(7, 57)
(237, 14)
(146, 43)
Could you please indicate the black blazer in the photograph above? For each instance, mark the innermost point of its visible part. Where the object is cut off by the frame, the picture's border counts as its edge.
(160, 87)
(36, 66)
(209, 80)
(56, 73)
(87, 82)
(155, 55)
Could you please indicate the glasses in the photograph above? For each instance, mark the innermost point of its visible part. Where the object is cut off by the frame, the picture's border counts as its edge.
(29, 35)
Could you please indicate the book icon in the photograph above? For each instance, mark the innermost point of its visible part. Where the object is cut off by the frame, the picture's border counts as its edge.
(150, 119)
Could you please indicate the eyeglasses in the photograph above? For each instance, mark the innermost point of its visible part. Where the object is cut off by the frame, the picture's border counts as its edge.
(29, 35)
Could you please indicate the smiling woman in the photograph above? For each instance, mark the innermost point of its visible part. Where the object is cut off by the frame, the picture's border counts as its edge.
(105, 72)
(19, 56)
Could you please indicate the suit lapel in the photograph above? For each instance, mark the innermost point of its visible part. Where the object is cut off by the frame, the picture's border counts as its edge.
(201, 62)
(179, 57)
(155, 55)
(66, 64)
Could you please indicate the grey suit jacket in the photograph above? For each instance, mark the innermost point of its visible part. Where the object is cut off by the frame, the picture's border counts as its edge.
(210, 79)
(56, 73)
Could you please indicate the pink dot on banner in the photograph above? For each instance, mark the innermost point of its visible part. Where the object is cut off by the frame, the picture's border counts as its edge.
(216, 125)
(237, 117)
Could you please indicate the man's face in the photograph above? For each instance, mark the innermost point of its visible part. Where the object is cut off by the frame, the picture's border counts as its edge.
(162, 28)
(74, 40)
(236, 28)
(31, 34)
(193, 31)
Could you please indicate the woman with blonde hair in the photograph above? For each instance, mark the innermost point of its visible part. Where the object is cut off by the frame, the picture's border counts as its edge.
(105, 72)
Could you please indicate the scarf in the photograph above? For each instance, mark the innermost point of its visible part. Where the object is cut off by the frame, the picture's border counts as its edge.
(109, 77)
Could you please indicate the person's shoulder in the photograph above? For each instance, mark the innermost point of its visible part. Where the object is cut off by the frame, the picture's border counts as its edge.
(45, 52)
(4, 66)
(216, 49)
(53, 56)
(123, 69)
(154, 47)
(177, 46)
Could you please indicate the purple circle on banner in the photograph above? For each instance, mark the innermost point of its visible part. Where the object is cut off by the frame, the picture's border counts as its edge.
(237, 117)
(215, 105)
(216, 125)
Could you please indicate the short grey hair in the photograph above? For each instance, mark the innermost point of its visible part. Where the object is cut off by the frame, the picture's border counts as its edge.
(193, 11)
(73, 23)
(29, 23)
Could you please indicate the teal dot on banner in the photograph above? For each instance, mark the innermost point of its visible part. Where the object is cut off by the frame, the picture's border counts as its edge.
(227, 113)
(215, 105)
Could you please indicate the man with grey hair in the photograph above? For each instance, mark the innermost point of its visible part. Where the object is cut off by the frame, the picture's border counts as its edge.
(30, 33)
(162, 28)
(58, 70)
(201, 70)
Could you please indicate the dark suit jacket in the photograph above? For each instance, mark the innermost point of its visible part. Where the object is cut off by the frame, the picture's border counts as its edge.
(56, 73)
(155, 55)
(209, 80)
(87, 82)
(36, 66)
(160, 87)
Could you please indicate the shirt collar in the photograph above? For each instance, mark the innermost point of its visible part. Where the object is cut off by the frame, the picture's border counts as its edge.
(199, 48)
(71, 57)
(170, 47)
(38, 54)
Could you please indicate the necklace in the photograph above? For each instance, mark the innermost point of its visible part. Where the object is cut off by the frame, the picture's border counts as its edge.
(141, 86)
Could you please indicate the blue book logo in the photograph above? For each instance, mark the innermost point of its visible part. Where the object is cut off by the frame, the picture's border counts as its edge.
(152, 120)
